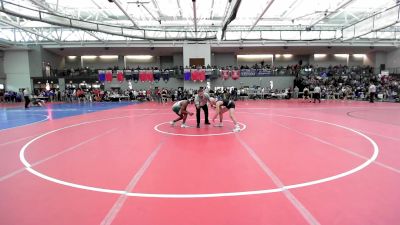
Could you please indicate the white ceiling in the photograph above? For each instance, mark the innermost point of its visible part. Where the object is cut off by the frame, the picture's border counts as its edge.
(64, 21)
(169, 51)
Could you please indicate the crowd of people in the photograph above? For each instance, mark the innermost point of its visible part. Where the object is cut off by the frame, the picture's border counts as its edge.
(337, 84)
(334, 82)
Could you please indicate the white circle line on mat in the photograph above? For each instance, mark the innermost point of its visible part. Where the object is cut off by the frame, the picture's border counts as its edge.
(156, 127)
(204, 195)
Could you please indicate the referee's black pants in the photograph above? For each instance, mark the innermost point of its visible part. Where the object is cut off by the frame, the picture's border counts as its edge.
(317, 96)
(371, 97)
(27, 101)
(205, 108)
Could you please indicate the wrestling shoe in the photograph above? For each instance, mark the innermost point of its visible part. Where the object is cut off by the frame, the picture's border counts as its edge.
(236, 129)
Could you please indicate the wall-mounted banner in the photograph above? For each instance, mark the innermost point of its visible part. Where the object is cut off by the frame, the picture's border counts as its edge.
(264, 72)
(255, 72)
(248, 72)
(128, 74)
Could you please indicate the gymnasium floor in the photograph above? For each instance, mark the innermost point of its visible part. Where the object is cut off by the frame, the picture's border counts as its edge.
(293, 162)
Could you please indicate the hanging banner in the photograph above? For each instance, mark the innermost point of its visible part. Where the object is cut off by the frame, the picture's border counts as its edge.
(194, 74)
(235, 74)
(165, 76)
(248, 72)
(109, 75)
(201, 75)
(135, 76)
(157, 75)
(149, 75)
(264, 72)
(255, 72)
(225, 74)
(142, 75)
(120, 75)
(198, 75)
(209, 73)
(128, 74)
(102, 76)
(186, 74)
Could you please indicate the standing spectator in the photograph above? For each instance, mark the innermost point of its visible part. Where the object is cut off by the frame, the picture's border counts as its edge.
(173, 96)
(296, 92)
(372, 91)
(317, 94)
(26, 97)
(2, 96)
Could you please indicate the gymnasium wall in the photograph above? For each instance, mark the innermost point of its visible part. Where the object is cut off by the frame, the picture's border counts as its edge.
(39, 57)
(2, 74)
(178, 59)
(166, 62)
(35, 61)
(355, 60)
(283, 60)
(143, 63)
(228, 59)
(223, 59)
(16, 68)
(328, 60)
(104, 63)
(393, 59)
(196, 51)
(252, 61)
(381, 58)
(100, 63)
(73, 62)
(56, 61)
(369, 60)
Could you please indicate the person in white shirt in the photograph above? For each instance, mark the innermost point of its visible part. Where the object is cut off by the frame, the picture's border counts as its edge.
(200, 101)
(372, 91)
(26, 97)
(296, 92)
(317, 94)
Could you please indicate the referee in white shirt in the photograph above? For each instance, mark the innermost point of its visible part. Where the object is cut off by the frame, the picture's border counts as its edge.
(200, 100)
(26, 97)
(372, 92)
(317, 93)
